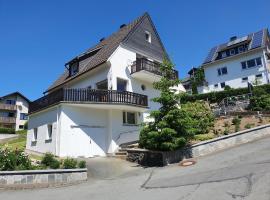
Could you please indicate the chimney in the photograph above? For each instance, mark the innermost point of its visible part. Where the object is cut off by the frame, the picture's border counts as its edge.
(122, 26)
(233, 38)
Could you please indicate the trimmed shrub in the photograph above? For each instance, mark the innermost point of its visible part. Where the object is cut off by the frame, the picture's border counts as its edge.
(69, 163)
(259, 103)
(82, 164)
(11, 160)
(7, 130)
(55, 164)
(47, 159)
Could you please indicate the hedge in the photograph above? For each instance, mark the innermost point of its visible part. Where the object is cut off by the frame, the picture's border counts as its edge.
(7, 130)
(215, 97)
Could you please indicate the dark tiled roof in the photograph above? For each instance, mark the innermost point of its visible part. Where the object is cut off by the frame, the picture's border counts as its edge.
(107, 47)
(250, 39)
(16, 93)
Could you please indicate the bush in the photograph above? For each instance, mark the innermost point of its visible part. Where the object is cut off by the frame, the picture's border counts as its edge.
(69, 163)
(7, 130)
(50, 161)
(14, 160)
(203, 137)
(82, 164)
(248, 126)
(259, 103)
(215, 97)
(236, 121)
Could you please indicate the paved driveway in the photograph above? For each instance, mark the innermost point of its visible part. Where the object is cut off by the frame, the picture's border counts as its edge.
(242, 172)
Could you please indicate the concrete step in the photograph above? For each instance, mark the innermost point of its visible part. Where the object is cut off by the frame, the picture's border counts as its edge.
(121, 153)
(123, 157)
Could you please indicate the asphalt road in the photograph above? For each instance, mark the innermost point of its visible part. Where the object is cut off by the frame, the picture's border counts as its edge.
(241, 172)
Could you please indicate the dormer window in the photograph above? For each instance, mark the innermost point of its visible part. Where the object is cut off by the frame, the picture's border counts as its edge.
(223, 54)
(147, 36)
(240, 49)
(232, 52)
(73, 69)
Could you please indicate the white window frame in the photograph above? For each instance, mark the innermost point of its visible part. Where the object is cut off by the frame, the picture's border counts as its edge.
(49, 132)
(220, 70)
(223, 54)
(125, 120)
(256, 64)
(149, 39)
(244, 78)
(232, 50)
(242, 49)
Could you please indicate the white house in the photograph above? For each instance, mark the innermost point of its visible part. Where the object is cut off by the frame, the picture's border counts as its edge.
(237, 62)
(14, 111)
(103, 95)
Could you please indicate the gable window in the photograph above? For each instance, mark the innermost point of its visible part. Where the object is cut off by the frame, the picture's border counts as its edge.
(244, 79)
(222, 71)
(147, 36)
(73, 69)
(23, 116)
(232, 52)
(10, 102)
(130, 118)
(223, 54)
(222, 85)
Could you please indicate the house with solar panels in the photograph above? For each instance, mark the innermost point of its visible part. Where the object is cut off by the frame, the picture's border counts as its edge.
(237, 62)
(102, 97)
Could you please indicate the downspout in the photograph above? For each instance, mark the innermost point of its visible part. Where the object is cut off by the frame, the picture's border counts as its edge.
(265, 66)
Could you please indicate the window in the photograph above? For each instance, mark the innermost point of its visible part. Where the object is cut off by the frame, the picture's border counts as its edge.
(244, 79)
(73, 69)
(50, 128)
(223, 54)
(121, 84)
(240, 49)
(216, 85)
(251, 63)
(147, 36)
(21, 126)
(35, 134)
(222, 71)
(102, 85)
(10, 101)
(259, 76)
(130, 118)
(258, 61)
(143, 87)
(222, 85)
(232, 52)
(10, 114)
(23, 116)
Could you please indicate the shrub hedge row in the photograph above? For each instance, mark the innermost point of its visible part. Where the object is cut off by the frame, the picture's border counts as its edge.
(215, 97)
(7, 130)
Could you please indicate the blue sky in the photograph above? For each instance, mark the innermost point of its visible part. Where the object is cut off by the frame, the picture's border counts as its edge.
(38, 37)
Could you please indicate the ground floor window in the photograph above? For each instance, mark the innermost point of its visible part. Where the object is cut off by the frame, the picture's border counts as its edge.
(49, 136)
(21, 126)
(35, 134)
(129, 118)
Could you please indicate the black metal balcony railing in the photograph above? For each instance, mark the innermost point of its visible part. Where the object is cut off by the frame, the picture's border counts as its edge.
(147, 65)
(85, 95)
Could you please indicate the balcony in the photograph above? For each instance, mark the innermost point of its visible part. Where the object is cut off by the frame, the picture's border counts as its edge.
(89, 96)
(146, 70)
(7, 120)
(7, 107)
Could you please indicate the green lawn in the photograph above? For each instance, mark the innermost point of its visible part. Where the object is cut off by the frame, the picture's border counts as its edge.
(17, 143)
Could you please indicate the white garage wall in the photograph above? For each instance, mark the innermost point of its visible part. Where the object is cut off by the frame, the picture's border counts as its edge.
(40, 121)
(83, 131)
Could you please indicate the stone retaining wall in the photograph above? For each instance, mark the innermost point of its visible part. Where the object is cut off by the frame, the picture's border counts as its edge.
(41, 178)
(162, 158)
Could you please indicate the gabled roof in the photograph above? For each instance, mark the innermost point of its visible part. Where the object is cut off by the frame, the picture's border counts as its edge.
(253, 40)
(16, 93)
(104, 50)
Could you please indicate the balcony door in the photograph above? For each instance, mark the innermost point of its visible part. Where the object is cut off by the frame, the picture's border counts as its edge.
(121, 84)
(102, 85)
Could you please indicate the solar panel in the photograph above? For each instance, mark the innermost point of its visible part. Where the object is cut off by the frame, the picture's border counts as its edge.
(210, 55)
(257, 40)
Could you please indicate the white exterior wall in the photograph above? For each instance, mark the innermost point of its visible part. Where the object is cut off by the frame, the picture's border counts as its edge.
(22, 107)
(235, 73)
(40, 121)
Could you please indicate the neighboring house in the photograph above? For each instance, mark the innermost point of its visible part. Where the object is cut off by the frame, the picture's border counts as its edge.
(237, 62)
(14, 111)
(104, 94)
(186, 82)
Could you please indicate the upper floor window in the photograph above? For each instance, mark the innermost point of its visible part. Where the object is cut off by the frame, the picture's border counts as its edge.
(73, 69)
(251, 63)
(222, 85)
(49, 133)
(23, 116)
(223, 54)
(147, 36)
(232, 52)
(10, 101)
(240, 49)
(130, 118)
(222, 71)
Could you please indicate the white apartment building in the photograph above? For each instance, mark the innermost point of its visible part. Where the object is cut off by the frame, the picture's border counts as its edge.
(14, 111)
(237, 62)
(104, 94)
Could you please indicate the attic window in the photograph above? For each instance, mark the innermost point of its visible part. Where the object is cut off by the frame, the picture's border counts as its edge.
(73, 69)
(147, 36)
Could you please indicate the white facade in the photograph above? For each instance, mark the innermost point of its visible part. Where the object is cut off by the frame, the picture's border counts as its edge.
(93, 129)
(236, 77)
